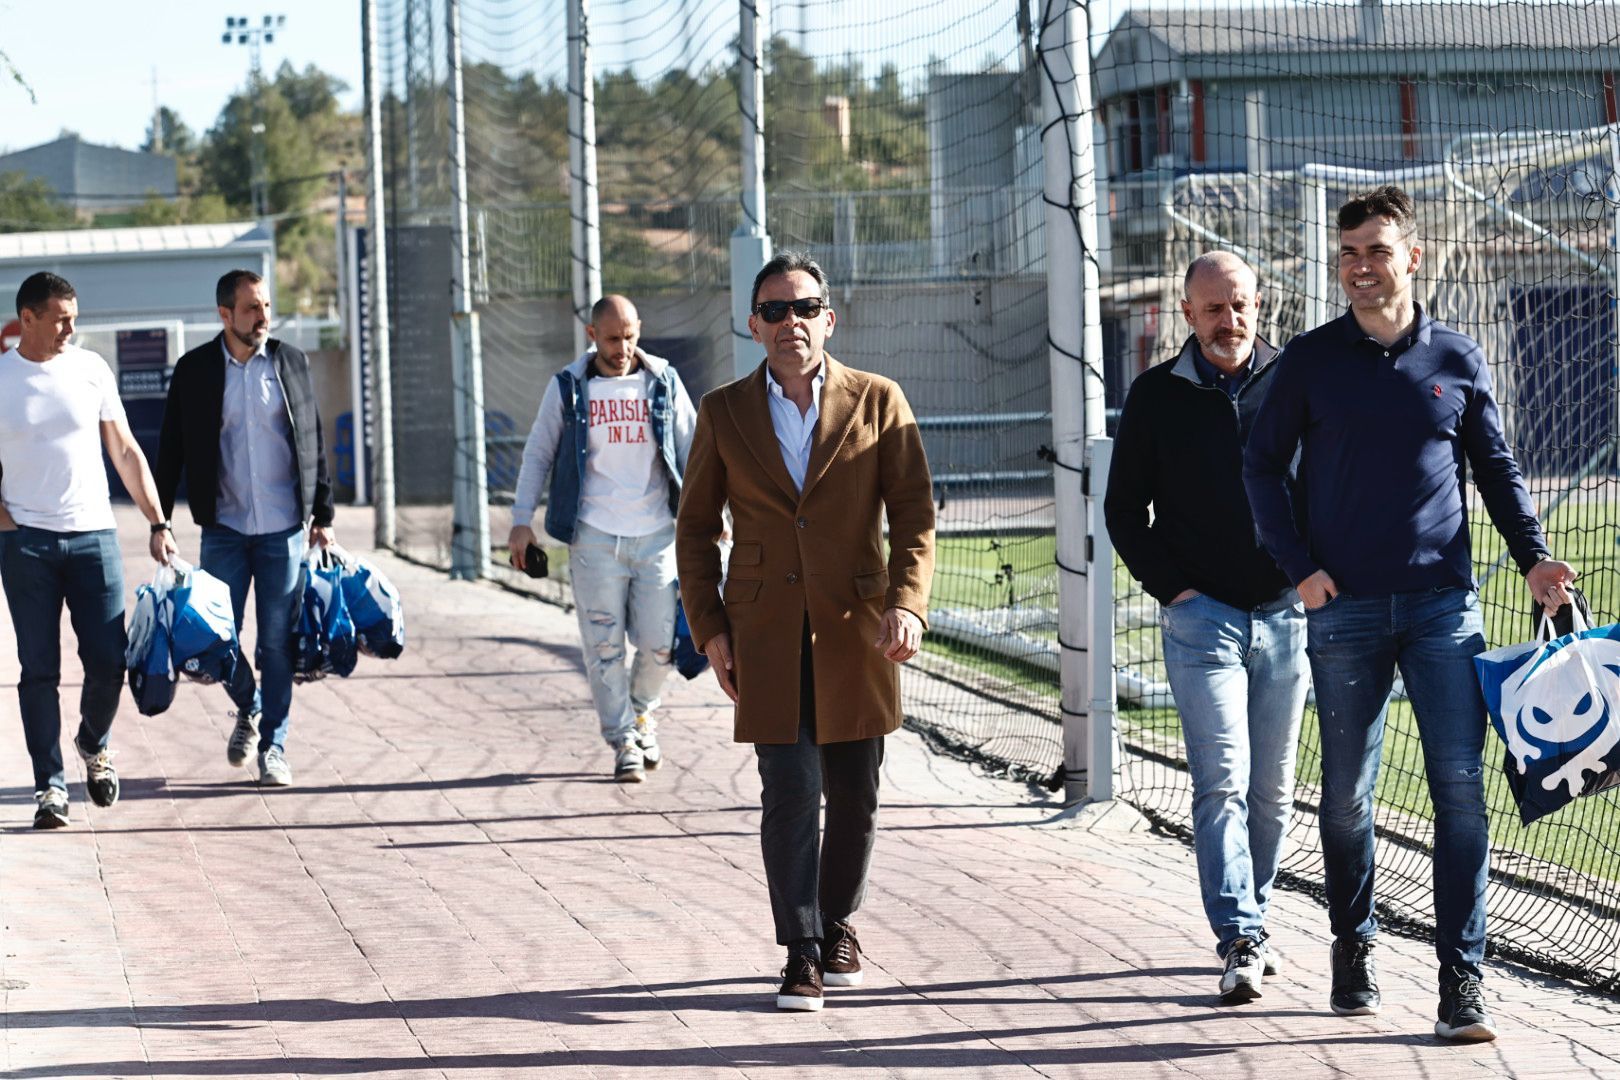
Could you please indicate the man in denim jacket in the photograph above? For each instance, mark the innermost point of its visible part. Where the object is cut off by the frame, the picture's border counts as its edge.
(610, 445)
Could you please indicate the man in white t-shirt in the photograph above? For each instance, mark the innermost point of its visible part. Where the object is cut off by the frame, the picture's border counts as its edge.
(610, 445)
(59, 407)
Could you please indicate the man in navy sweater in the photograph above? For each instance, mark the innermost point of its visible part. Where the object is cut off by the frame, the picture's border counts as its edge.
(1387, 407)
(1233, 631)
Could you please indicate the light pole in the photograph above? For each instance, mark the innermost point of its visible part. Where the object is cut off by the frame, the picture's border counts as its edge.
(238, 31)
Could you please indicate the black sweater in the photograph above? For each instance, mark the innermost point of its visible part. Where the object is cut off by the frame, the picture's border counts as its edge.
(1179, 449)
(192, 418)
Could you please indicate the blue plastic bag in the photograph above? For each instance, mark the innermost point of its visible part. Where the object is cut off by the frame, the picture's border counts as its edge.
(202, 633)
(374, 607)
(147, 657)
(323, 636)
(688, 661)
(1555, 703)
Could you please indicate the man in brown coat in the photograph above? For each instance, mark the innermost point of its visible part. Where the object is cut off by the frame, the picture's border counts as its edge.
(813, 621)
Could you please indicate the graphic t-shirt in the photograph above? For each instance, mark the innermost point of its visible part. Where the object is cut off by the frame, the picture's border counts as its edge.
(50, 439)
(626, 492)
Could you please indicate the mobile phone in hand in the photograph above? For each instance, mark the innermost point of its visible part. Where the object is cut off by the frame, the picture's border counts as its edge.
(534, 561)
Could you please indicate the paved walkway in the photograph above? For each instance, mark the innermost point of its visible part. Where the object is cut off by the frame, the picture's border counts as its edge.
(455, 889)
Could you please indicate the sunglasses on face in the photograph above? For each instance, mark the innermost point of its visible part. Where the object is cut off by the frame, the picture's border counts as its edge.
(774, 311)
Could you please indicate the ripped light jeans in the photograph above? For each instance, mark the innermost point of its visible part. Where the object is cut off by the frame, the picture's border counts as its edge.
(624, 587)
(1354, 644)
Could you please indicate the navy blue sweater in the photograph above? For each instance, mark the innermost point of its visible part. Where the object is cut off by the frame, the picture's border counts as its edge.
(1384, 435)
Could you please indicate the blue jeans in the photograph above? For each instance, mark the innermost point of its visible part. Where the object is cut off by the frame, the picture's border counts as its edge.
(624, 582)
(269, 561)
(42, 570)
(1356, 642)
(1239, 682)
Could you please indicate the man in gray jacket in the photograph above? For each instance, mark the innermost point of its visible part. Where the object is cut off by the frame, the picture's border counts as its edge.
(609, 446)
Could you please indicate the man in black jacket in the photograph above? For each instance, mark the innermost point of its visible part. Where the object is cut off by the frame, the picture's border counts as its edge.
(1233, 628)
(242, 425)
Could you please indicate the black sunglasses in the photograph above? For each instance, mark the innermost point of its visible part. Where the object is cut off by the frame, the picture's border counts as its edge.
(774, 311)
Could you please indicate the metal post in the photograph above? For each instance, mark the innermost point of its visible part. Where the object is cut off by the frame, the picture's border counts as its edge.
(340, 251)
(750, 243)
(382, 393)
(1101, 637)
(1313, 202)
(1074, 328)
(413, 196)
(469, 543)
(586, 235)
(1258, 162)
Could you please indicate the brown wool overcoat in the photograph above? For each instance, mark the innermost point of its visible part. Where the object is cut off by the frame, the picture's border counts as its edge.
(819, 553)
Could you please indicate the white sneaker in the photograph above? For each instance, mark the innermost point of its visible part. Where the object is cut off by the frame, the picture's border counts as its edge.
(628, 763)
(652, 755)
(1240, 981)
(1270, 958)
(273, 769)
(243, 736)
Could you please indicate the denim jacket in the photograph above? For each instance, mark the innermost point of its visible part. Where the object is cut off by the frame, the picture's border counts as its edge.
(555, 453)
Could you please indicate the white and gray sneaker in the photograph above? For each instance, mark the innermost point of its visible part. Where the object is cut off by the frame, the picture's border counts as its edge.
(652, 755)
(1240, 981)
(52, 811)
(629, 764)
(1270, 958)
(273, 769)
(243, 736)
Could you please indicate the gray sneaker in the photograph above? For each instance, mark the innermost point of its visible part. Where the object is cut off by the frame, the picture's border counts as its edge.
(243, 737)
(1270, 958)
(52, 812)
(273, 769)
(652, 755)
(1240, 981)
(629, 764)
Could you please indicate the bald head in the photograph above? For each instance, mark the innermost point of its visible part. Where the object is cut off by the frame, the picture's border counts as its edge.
(616, 305)
(1217, 263)
(1222, 305)
(615, 328)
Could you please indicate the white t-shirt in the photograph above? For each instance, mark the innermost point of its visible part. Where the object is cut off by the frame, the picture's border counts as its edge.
(626, 490)
(50, 439)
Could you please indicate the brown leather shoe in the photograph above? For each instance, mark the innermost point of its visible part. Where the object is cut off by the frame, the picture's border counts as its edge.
(841, 956)
(801, 981)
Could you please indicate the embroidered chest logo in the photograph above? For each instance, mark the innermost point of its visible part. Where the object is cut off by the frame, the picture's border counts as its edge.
(1437, 391)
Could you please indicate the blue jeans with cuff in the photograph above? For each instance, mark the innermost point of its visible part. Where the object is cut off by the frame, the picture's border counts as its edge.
(1356, 643)
(1239, 680)
(269, 562)
(624, 587)
(41, 571)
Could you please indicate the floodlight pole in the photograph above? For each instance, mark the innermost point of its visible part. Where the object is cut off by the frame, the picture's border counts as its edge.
(585, 233)
(750, 243)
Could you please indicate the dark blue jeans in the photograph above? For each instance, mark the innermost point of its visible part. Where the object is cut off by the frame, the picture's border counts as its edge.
(1355, 645)
(42, 570)
(269, 562)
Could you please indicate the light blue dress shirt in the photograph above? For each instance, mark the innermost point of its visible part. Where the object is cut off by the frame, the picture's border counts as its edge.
(794, 433)
(258, 471)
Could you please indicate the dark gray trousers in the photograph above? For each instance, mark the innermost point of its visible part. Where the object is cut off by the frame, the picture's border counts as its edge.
(816, 876)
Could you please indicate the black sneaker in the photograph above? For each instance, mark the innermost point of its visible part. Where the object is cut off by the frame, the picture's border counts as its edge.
(841, 956)
(1463, 1016)
(1355, 979)
(801, 980)
(52, 812)
(100, 778)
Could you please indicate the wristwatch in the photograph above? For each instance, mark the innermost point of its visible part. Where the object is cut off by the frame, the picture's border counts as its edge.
(161, 526)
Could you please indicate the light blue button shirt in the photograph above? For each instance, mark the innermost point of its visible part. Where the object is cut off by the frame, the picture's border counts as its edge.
(258, 472)
(794, 432)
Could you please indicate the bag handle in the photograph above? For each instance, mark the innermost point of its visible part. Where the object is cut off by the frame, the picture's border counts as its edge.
(1544, 622)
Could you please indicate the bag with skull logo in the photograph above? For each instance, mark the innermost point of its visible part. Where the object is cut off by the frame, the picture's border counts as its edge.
(1555, 702)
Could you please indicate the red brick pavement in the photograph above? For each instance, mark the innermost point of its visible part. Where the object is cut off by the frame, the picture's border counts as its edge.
(456, 889)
